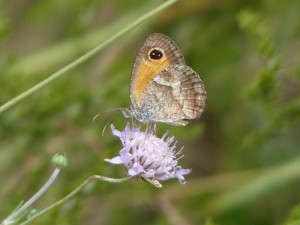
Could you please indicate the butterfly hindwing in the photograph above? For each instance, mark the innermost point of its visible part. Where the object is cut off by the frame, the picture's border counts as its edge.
(174, 96)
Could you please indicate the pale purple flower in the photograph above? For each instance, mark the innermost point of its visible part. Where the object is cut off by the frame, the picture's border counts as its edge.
(145, 155)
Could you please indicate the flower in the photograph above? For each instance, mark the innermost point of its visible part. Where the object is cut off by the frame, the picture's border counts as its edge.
(146, 155)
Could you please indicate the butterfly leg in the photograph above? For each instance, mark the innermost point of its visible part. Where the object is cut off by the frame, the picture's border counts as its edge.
(151, 128)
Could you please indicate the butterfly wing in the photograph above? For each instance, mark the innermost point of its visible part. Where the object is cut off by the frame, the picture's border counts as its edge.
(146, 68)
(174, 96)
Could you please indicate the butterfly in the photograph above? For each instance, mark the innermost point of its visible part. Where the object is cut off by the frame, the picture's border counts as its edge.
(162, 87)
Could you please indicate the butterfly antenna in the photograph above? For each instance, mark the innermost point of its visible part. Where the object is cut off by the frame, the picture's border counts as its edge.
(99, 114)
(107, 111)
(109, 122)
(96, 116)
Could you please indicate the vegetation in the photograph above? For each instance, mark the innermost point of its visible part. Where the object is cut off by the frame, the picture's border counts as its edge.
(244, 150)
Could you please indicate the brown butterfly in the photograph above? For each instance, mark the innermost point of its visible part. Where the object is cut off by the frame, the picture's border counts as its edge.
(163, 88)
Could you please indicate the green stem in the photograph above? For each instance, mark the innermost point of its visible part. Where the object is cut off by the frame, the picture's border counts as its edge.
(73, 193)
(27, 204)
(85, 57)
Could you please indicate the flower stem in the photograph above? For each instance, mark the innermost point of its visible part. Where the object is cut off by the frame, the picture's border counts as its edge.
(85, 57)
(11, 218)
(73, 193)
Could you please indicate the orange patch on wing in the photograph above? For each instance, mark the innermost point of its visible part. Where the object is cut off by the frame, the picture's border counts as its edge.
(146, 72)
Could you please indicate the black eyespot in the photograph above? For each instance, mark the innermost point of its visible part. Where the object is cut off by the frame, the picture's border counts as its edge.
(156, 54)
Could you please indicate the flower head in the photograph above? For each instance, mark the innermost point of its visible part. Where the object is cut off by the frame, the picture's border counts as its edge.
(145, 155)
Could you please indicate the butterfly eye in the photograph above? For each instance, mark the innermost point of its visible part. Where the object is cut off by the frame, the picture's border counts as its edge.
(156, 54)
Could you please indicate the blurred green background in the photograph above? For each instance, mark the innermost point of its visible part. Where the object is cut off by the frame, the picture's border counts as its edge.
(243, 151)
